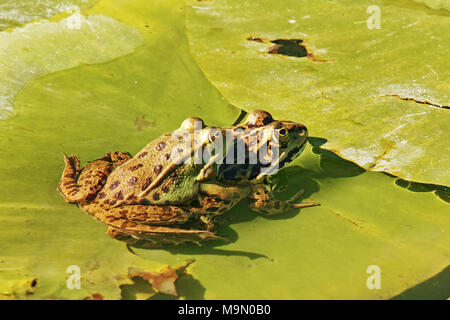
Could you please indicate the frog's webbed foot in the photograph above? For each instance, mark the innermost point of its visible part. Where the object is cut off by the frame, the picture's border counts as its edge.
(89, 182)
(291, 201)
(91, 179)
(262, 201)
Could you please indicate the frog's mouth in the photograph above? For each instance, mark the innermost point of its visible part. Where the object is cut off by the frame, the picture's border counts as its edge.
(283, 159)
(292, 155)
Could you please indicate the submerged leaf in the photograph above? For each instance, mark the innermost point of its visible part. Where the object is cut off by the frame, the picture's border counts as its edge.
(45, 47)
(14, 13)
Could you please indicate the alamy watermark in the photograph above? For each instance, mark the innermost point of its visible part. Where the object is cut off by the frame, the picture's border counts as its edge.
(74, 279)
(374, 20)
(374, 280)
(228, 146)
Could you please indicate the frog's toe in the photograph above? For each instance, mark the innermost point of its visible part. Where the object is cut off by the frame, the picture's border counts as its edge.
(156, 241)
(116, 234)
(296, 196)
(72, 162)
(304, 205)
(291, 201)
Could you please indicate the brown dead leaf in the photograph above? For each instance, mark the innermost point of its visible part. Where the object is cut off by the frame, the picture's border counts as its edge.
(162, 281)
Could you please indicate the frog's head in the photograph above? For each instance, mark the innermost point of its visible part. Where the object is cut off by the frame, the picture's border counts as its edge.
(280, 142)
(288, 136)
(258, 118)
(261, 146)
(290, 139)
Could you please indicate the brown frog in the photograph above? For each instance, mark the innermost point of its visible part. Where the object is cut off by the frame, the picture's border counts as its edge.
(164, 195)
(271, 144)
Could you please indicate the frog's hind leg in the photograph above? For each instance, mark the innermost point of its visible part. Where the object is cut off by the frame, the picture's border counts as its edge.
(89, 181)
(154, 236)
(263, 201)
(161, 239)
(140, 214)
(151, 226)
(116, 158)
(92, 177)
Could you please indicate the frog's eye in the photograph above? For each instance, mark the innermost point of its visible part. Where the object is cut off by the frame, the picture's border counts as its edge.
(192, 123)
(213, 135)
(282, 132)
(259, 118)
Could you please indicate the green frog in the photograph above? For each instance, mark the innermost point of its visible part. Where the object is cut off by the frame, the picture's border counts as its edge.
(169, 193)
(271, 144)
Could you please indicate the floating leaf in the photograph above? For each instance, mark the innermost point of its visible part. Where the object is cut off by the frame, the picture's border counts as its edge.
(436, 4)
(324, 252)
(365, 218)
(379, 96)
(46, 47)
(14, 13)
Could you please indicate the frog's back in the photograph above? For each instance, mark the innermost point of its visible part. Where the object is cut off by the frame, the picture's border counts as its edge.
(146, 176)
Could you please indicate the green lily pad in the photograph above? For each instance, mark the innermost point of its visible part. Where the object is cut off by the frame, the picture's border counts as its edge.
(42, 48)
(324, 252)
(379, 96)
(436, 4)
(365, 218)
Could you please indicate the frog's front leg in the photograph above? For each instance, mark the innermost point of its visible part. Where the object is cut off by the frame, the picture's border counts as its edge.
(90, 180)
(263, 201)
(216, 199)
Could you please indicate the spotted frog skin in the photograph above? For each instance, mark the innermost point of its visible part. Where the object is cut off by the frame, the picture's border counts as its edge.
(162, 197)
(235, 181)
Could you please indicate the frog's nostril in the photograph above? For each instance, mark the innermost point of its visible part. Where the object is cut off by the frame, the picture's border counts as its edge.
(303, 132)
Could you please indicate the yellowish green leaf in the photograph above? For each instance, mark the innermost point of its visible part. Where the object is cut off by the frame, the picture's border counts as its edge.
(373, 80)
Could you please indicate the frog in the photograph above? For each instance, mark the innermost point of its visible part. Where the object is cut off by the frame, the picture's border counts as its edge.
(153, 201)
(138, 197)
(238, 180)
